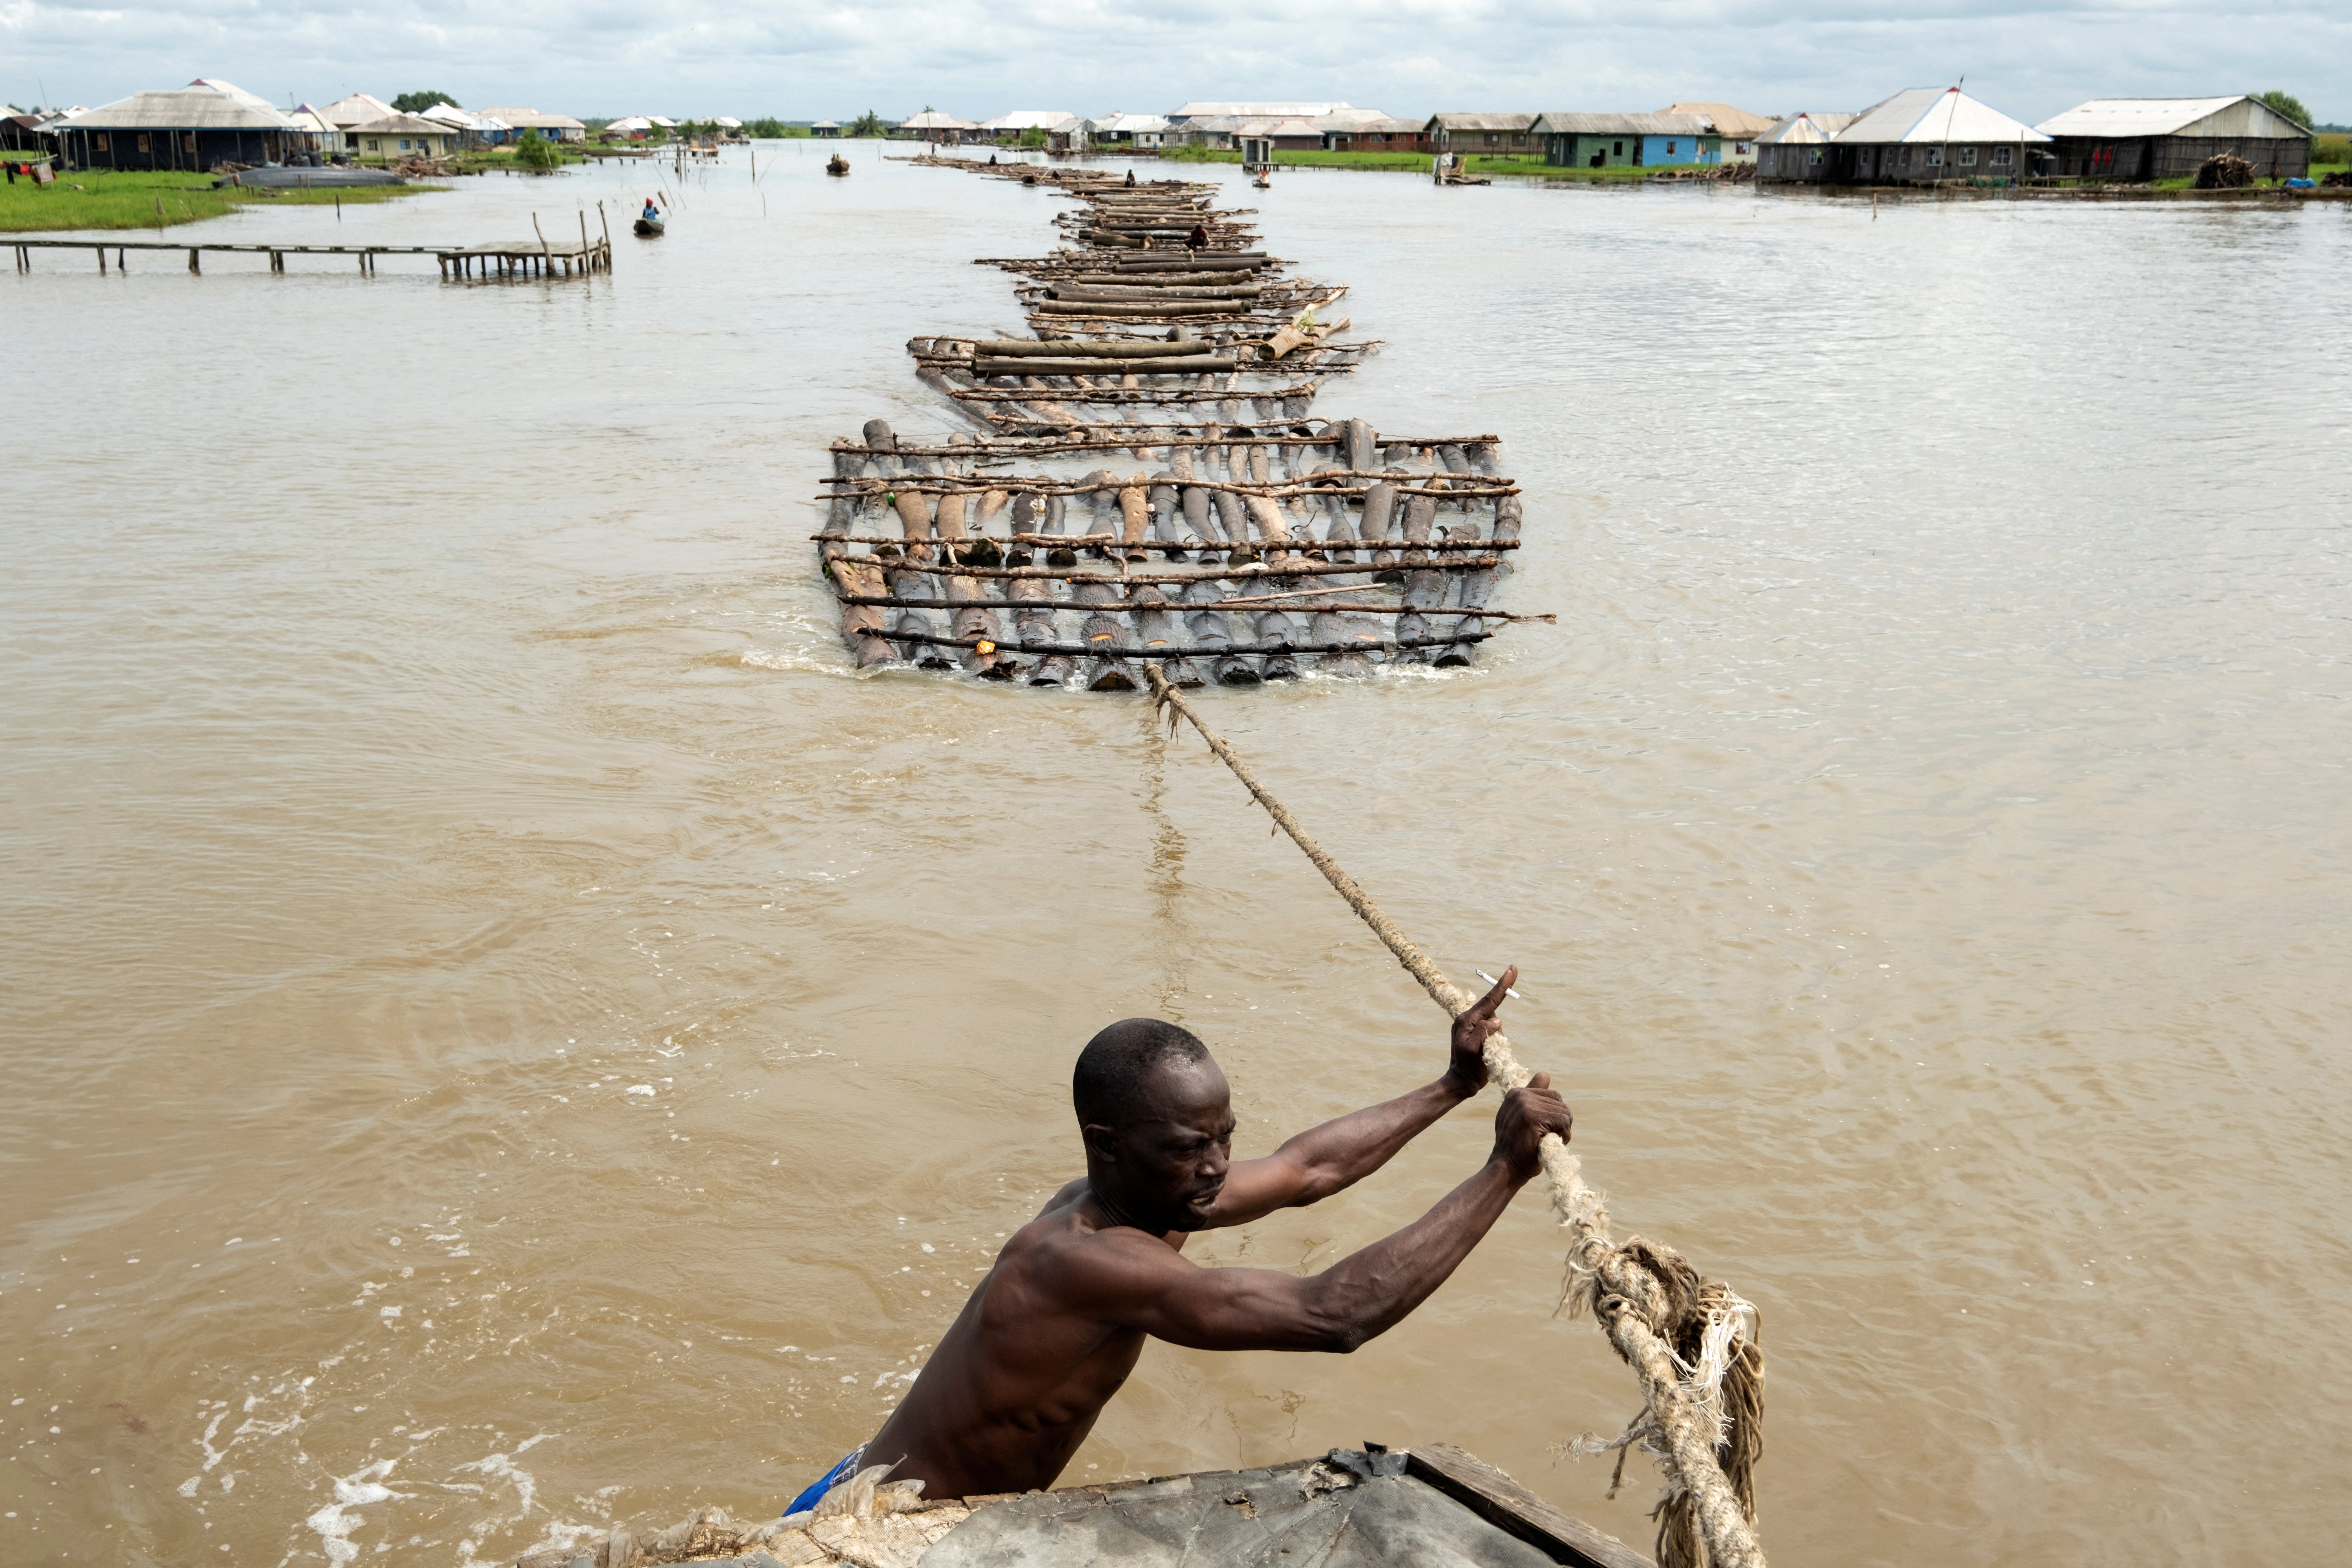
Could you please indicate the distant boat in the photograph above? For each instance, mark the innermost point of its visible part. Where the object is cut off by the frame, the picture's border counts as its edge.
(837, 164)
(649, 228)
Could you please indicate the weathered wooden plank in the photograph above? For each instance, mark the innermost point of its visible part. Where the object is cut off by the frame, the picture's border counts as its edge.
(1495, 1497)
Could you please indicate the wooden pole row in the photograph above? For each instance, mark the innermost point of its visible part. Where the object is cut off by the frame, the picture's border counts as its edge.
(1252, 572)
(1102, 648)
(1444, 487)
(1269, 601)
(847, 447)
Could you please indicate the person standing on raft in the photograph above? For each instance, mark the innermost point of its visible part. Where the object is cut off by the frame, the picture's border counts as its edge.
(1059, 1322)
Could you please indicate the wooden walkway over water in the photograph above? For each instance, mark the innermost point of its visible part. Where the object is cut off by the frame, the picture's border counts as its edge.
(517, 258)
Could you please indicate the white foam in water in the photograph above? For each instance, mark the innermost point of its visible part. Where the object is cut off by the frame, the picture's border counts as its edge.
(502, 1467)
(334, 1521)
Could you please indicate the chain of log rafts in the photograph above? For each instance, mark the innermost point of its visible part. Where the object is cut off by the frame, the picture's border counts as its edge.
(1142, 481)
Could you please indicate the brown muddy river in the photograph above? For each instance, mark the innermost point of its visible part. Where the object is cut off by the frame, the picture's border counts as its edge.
(505, 1031)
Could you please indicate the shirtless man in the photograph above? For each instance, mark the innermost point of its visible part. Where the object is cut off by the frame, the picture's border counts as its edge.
(1053, 1330)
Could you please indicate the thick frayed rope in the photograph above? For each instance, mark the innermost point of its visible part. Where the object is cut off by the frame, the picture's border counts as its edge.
(1692, 1346)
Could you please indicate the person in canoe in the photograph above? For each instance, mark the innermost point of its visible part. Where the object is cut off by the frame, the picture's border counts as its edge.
(1054, 1329)
(652, 213)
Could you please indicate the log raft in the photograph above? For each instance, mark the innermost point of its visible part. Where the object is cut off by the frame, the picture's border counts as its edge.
(1145, 482)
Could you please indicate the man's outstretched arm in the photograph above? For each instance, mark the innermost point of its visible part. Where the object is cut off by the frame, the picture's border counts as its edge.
(1335, 1156)
(1139, 1283)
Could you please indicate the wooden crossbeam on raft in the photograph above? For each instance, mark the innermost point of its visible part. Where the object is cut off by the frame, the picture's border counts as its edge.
(1254, 572)
(982, 447)
(1352, 645)
(1444, 487)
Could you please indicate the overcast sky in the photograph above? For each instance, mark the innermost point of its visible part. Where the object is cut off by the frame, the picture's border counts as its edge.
(802, 59)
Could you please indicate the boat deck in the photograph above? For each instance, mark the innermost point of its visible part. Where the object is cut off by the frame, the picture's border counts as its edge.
(1433, 1506)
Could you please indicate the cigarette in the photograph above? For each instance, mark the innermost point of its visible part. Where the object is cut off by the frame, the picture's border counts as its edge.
(1492, 981)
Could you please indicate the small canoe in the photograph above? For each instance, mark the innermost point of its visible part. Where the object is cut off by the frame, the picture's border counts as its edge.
(1435, 1507)
(650, 227)
(837, 166)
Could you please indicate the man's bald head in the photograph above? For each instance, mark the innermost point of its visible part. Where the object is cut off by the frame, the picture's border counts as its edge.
(1120, 1060)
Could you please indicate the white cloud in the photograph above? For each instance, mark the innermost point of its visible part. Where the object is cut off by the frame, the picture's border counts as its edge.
(803, 59)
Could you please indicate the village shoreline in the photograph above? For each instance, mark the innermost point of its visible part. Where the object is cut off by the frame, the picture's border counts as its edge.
(1705, 175)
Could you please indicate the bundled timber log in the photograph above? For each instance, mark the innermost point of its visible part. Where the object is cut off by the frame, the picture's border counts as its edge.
(1476, 587)
(1133, 308)
(862, 624)
(1232, 522)
(1075, 348)
(1139, 279)
(1196, 261)
(1420, 516)
(1107, 639)
(1272, 526)
(912, 629)
(1240, 572)
(986, 657)
(1423, 592)
(1332, 629)
(1379, 512)
(1284, 650)
(1155, 631)
(914, 520)
(1135, 517)
(1149, 292)
(1170, 365)
(1231, 484)
(1279, 635)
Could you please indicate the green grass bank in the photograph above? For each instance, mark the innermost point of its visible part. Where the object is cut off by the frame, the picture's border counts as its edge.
(110, 200)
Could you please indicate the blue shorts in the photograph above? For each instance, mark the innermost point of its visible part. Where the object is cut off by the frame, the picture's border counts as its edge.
(825, 1483)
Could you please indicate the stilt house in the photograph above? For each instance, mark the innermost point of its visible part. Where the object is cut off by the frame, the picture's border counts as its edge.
(195, 128)
(1925, 134)
(2168, 138)
(1797, 149)
(1577, 141)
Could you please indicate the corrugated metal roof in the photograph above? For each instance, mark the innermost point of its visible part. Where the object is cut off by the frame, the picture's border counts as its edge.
(399, 125)
(1933, 115)
(193, 109)
(356, 108)
(1566, 123)
(932, 119)
(1388, 127)
(1257, 111)
(1803, 128)
(1482, 121)
(235, 91)
(2164, 117)
(1028, 120)
(1728, 121)
(520, 118)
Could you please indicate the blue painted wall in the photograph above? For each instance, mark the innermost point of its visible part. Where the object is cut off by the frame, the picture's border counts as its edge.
(1685, 149)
